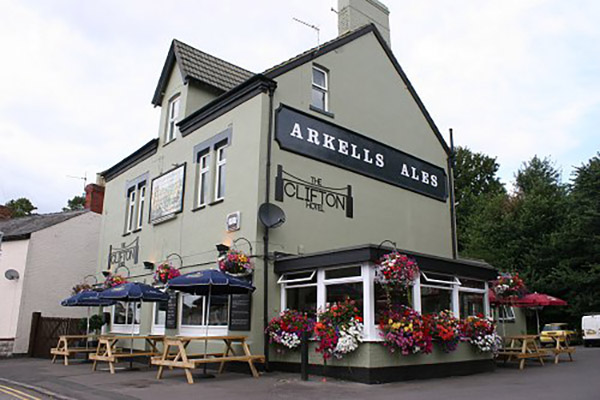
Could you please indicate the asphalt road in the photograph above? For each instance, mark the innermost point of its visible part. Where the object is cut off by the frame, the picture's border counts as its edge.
(578, 380)
(14, 392)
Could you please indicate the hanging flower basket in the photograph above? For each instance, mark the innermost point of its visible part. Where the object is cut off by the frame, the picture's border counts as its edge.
(236, 263)
(114, 280)
(164, 273)
(404, 330)
(397, 271)
(444, 328)
(286, 330)
(339, 329)
(509, 285)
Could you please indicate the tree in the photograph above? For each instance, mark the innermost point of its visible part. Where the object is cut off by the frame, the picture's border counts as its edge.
(20, 207)
(76, 203)
(475, 184)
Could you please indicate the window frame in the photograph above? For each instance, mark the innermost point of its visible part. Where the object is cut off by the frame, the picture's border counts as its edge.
(320, 88)
(157, 329)
(200, 330)
(136, 194)
(220, 167)
(202, 199)
(127, 326)
(172, 118)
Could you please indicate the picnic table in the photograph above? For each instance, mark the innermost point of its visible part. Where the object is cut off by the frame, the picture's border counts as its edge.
(66, 347)
(107, 350)
(182, 359)
(522, 348)
(561, 345)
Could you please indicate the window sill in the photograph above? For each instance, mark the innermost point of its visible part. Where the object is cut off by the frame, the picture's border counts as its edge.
(164, 219)
(202, 207)
(169, 142)
(216, 202)
(127, 233)
(321, 111)
(136, 230)
(120, 328)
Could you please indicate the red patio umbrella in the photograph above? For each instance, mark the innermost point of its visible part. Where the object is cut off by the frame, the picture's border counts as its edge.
(539, 300)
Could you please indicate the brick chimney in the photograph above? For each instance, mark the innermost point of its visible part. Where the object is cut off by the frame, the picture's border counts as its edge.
(94, 198)
(353, 14)
(5, 213)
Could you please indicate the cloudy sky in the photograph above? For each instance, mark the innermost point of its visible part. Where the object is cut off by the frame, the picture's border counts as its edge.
(513, 78)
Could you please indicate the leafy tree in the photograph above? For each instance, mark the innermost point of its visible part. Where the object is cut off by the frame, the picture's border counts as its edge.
(21, 207)
(76, 203)
(475, 183)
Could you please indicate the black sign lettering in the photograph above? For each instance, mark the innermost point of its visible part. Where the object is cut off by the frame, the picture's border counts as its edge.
(171, 318)
(312, 137)
(239, 312)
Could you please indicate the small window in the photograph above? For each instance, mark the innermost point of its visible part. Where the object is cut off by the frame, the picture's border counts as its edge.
(136, 200)
(203, 179)
(126, 313)
(303, 299)
(340, 273)
(142, 200)
(193, 310)
(220, 173)
(319, 88)
(172, 118)
(506, 313)
(302, 278)
(471, 304)
(438, 279)
(435, 299)
(131, 204)
(472, 284)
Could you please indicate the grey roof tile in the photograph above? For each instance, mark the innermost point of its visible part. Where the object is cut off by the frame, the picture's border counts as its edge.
(23, 227)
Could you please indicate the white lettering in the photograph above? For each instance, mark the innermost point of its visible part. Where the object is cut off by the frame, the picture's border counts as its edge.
(425, 177)
(328, 141)
(354, 155)
(368, 158)
(379, 161)
(296, 132)
(414, 174)
(313, 136)
(434, 182)
(343, 146)
(405, 170)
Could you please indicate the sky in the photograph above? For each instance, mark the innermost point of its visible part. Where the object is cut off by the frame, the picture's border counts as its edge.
(512, 78)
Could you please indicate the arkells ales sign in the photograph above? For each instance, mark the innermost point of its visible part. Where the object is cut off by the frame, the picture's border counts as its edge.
(312, 137)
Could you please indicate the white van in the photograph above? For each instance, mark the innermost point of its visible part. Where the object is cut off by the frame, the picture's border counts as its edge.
(590, 326)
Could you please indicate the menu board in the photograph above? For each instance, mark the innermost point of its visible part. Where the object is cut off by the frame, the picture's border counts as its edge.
(167, 194)
(239, 312)
(171, 318)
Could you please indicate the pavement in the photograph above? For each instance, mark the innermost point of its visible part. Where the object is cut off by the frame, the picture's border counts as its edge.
(578, 380)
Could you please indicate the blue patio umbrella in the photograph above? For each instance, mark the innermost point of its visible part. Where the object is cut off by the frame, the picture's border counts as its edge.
(86, 298)
(134, 292)
(206, 283)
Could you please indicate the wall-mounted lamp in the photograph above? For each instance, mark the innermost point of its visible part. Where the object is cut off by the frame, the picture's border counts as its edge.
(149, 265)
(106, 273)
(222, 249)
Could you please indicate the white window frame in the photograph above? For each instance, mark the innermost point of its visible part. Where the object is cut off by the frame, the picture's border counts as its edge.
(508, 310)
(484, 292)
(172, 118)
(450, 285)
(203, 177)
(320, 88)
(136, 202)
(200, 330)
(157, 329)
(220, 172)
(131, 202)
(126, 327)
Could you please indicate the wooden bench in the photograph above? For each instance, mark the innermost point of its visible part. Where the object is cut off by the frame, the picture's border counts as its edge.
(64, 347)
(107, 351)
(559, 348)
(522, 348)
(187, 361)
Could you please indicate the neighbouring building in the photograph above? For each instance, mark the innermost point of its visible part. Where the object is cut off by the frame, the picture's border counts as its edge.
(338, 139)
(41, 258)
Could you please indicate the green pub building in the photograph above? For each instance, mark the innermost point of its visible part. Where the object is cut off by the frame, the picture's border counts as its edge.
(339, 141)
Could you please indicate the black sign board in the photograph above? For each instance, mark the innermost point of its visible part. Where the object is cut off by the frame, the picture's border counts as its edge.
(239, 312)
(304, 134)
(171, 319)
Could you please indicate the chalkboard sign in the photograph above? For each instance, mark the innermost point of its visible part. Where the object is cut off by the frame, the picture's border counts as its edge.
(171, 319)
(239, 312)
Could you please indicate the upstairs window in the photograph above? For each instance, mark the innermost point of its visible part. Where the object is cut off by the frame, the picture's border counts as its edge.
(172, 118)
(211, 160)
(319, 89)
(203, 179)
(136, 200)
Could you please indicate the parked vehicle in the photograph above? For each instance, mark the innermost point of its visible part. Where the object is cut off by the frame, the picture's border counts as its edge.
(559, 329)
(590, 326)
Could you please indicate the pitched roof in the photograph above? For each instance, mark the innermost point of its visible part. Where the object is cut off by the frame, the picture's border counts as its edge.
(200, 67)
(23, 227)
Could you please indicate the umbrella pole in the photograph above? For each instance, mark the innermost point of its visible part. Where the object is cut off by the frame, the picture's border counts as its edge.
(87, 328)
(131, 341)
(206, 330)
(537, 318)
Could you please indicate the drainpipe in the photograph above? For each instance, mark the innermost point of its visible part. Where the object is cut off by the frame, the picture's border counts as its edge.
(266, 235)
(451, 194)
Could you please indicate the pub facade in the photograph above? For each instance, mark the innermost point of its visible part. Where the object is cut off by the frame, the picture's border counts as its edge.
(338, 143)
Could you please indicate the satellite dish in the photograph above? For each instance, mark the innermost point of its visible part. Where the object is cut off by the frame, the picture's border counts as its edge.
(271, 215)
(11, 274)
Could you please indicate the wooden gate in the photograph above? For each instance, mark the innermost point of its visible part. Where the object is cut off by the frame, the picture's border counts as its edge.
(45, 332)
